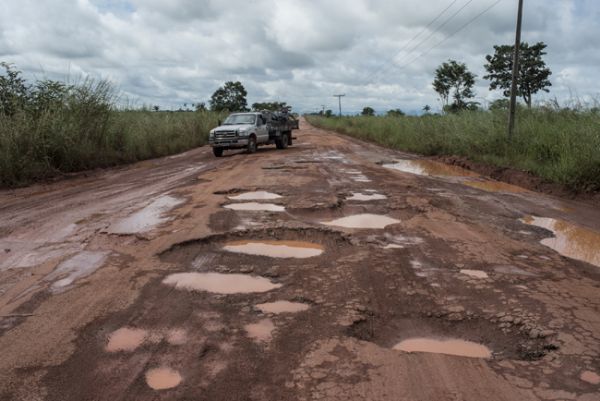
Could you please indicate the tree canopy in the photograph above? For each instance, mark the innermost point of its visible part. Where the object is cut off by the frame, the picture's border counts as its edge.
(230, 97)
(368, 111)
(454, 81)
(395, 113)
(533, 73)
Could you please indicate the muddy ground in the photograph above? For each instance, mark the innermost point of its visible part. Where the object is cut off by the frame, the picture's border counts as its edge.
(129, 284)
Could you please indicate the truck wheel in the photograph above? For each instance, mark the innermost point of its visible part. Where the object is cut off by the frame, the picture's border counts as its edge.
(218, 152)
(251, 144)
(290, 138)
(282, 142)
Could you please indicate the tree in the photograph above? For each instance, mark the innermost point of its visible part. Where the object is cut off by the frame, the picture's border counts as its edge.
(368, 111)
(454, 80)
(272, 106)
(156, 108)
(328, 113)
(13, 90)
(533, 73)
(395, 113)
(201, 106)
(229, 97)
(426, 109)
(499, 104)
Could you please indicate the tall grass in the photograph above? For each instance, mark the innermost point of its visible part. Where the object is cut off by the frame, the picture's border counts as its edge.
(53, 128)
(562, 146)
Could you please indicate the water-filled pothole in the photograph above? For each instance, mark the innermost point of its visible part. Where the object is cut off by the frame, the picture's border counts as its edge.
(429, 167)
(276, 249)
(163, 378)
(450, 346)
(147, 218)
(474, 273)
(569, 240)
(365, 220)
(255, 207)
(260, 331)
(278, 307)
(220, 283)
(255, 195)
(126, 339)
(361, 197)
(495, 186)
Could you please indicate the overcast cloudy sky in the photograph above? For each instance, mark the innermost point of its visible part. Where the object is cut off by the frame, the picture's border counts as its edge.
(179, 51)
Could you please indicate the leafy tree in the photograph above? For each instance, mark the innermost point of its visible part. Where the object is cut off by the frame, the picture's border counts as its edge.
(454, 81)
(368, 111)
(13, 90)
(229, 97)
(328, 113)
(156, 108)
(395, 113)
(533, 73)
(499, 104)
(200, 106)
(272, 106)
(426, 109)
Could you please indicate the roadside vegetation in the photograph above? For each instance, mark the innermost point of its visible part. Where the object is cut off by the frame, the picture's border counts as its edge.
(49, 128)
(561, 145)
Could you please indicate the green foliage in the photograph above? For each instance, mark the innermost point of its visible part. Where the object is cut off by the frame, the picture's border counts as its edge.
(395, 113)
(200, 106)
(426, 109)
(272, 106)
(454, 80)
(230, 97)
(557, 144)
(328, 113)
(533, 73)
(368, 111)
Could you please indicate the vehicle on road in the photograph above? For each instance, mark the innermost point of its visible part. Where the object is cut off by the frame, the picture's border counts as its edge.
(250, 130)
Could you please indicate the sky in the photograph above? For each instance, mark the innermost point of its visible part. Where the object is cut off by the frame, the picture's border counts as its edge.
(379, 53)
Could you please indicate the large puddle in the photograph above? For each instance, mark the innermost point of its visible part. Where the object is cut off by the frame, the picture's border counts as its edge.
(261, 331)
(448, 347)
(256, 195)
(570, 240)
(495, 186)
(474, 273)
(365, 220)
(278, 307)
(429, 167)
(147, 218)
(357, 196)
(276, 249)
(255, 207)
(163, 378)
(126, 339)
(79, 266)
(590, 377)
(220, 283)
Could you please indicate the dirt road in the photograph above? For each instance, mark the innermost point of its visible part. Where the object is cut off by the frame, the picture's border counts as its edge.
(154, 282)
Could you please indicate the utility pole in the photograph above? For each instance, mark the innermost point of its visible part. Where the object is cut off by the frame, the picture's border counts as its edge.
(340, 102)
(323, 109)
(515, 74)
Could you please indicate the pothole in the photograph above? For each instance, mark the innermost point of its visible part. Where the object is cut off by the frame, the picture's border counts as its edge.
(495, 186)
(260, 331)
(590, 377)
(365, 220)
(569, 240)
(163, 378)
(429, 167)
(256, 195)
(454, 347)
(278, 307)
(126, 339)
(474, 273)
(361, 197)
(276, 249)
(220, 283)
(255, 207)
(146, 218)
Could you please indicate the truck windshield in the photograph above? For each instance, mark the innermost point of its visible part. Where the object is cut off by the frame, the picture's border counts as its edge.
(235, 119)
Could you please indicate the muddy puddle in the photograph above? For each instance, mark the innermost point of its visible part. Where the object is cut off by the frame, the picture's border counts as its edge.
(429, 167)
(147, 218)
(77, 267)
(261, 331)
(474, 273)
(495, 186)
(446, 346)
(255, 195)
(366, 221)
(276, 249)
(255, 207)
(126, 339)
(163, 378)
(361, 197)
(590, 377)
(278, 307)
(569, 239)
(220, 283)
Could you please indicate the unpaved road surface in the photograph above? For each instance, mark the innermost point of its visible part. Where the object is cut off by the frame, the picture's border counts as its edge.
(150, 282)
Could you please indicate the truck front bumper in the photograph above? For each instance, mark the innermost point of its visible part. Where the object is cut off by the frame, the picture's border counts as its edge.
(228, 142)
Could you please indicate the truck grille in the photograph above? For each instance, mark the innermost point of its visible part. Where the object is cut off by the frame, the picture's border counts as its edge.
(225, 134)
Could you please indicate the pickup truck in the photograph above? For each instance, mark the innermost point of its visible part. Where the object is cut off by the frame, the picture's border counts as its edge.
(250, 130)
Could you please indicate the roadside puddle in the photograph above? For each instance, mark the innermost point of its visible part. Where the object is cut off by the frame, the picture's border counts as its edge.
(366, 220)
(256, 195)
(219, 283)
(569, 239)
(448, 347)
(261, 331)
(276, 249)
(278, 307)
(474, 273)
(77, 267)
(495, 186)
(126, 339)
(357, 196)
(176, 336)
(255, 207)
(429, 167)
(590, 377)
(163, 378)
(147, 218)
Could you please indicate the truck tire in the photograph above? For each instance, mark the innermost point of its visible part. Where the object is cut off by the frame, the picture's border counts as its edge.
(252, 144)
(283, 141)
(218, 152)
(289, 138)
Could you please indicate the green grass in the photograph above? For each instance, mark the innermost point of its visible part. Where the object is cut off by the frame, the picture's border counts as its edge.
(562, 146)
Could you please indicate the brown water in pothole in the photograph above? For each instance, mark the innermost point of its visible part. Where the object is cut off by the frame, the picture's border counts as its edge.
(255, 207)
(278, 307)
(220, 283)
(365, 220)
(261, 331)
(428, 167)
(590, 377)
(147, 218)
(176, 336)
(495, 186)
(474, 273)
(276, 249)
(163, 378)
(256, 195)
(357, 196)
(569, 239)
(448, 347)
(125, 339)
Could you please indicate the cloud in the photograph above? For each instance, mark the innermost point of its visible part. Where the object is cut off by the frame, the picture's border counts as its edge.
(179, 51)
